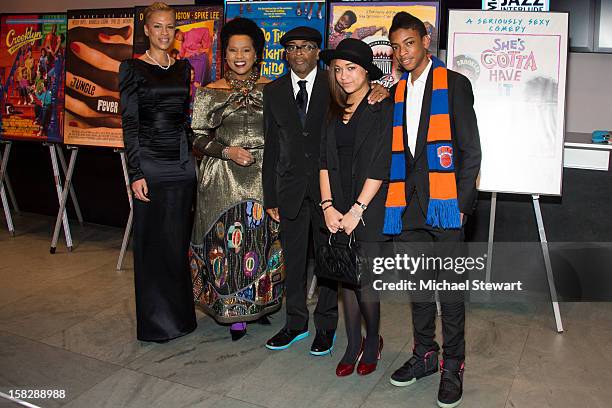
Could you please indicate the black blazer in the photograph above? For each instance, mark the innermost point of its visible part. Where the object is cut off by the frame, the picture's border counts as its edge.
(291, 152)
(371, 159)
(466, 144)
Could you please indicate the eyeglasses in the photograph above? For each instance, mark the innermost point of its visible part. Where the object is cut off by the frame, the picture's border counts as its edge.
(295, 48)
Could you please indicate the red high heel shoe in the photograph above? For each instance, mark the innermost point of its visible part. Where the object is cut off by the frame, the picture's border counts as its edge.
(344, 369)
(368, 368)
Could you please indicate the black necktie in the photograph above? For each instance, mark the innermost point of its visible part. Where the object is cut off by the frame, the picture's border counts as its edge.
(302, 100)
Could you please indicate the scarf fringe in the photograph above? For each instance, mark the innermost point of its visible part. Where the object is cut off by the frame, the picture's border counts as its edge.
(393, 220)
(443, 214)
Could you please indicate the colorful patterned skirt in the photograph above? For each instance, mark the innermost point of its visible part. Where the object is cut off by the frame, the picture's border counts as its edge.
(239, 270)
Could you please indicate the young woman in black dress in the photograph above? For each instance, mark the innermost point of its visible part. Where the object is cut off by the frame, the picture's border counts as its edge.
(154, 106)
(355, 160)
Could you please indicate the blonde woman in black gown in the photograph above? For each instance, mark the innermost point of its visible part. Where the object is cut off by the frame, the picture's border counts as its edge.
(154, 107)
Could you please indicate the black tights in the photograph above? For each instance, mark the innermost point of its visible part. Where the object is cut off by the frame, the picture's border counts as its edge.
(357, 303)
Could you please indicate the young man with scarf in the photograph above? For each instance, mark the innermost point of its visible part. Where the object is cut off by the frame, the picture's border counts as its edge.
(432, 189)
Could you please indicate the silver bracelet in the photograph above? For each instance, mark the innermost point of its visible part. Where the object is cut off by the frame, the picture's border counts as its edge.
(225, 153)
(356, 215)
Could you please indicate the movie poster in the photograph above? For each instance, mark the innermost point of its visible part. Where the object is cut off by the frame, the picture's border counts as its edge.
(98, 40)
(516, 62)
(196, 38)
(32, 76)
(370, 22)
(276, 18)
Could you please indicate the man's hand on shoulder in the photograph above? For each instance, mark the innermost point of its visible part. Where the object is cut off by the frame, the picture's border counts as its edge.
(377, 93)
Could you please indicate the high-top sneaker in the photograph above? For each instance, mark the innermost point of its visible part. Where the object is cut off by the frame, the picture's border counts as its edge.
(418, 366)
(451, 383)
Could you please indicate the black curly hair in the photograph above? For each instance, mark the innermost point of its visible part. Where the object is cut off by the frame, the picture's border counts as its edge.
(243, 26)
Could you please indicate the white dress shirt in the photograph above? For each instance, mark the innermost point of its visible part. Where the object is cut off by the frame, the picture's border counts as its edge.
(414, 102)
(310, 78)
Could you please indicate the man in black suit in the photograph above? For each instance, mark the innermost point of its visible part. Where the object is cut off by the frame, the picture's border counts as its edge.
(295, 106)
(409, 40)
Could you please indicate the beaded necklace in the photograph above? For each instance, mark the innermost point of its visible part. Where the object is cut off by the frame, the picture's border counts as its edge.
(243, 86)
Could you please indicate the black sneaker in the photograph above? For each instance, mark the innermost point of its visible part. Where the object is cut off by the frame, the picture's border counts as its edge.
(415, 368)
(285, 338)
(323, 342)
(451, 384)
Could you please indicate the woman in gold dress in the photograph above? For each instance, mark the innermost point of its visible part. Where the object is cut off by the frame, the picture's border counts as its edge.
(236, 259)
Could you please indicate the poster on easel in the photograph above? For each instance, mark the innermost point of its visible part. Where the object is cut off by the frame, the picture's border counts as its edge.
(275, 18)
(32, 76)
(370, 22)
(516, 63)
(97, 42)
(196, 38)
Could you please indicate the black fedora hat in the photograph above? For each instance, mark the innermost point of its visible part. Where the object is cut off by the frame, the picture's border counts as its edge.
(354, 50)
(302, 33)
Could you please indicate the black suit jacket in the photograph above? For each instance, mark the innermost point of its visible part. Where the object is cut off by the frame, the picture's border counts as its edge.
(371, 159)
(291, 151)
(466, 145)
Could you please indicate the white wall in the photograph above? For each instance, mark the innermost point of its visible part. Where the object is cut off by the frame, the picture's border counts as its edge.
(589, 92)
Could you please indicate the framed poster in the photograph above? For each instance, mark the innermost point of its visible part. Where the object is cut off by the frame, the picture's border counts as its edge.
(516, 62)
(32, 76)
(275, 18)
(196, 38)
(370, 22)
(98, 40)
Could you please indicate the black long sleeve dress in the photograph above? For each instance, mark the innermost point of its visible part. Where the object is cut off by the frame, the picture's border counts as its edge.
(154, 108)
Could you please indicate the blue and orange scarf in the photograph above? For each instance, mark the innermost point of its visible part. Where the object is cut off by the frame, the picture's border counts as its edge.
(443, 211)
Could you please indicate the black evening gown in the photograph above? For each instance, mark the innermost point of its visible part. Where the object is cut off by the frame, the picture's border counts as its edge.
(155, 113)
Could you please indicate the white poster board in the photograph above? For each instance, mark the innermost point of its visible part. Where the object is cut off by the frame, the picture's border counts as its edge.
(516, 62)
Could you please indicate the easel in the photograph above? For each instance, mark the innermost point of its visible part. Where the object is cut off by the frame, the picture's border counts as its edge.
(62, 193)
(4, 157)
(11, 193)
(313, 287)
(128, 227)
(4, 179)
(544, 243)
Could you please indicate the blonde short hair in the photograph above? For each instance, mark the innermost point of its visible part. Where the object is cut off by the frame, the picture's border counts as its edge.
(155, 7)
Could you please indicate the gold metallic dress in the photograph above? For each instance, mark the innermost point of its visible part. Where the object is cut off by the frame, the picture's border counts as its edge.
(236, 258)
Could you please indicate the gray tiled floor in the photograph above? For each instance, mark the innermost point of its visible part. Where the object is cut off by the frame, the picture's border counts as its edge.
(67, 322)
